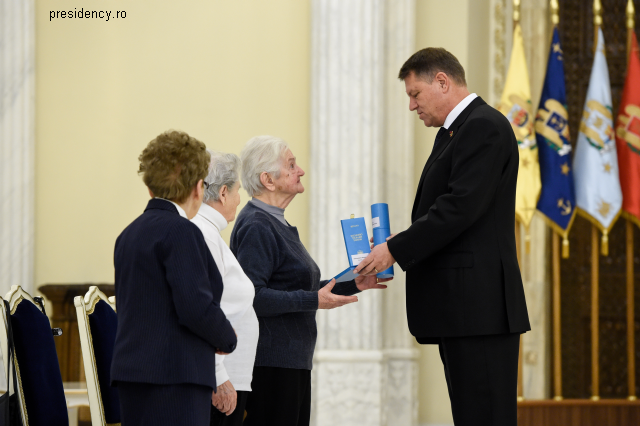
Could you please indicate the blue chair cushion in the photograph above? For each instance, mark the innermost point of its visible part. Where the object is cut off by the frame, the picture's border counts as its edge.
(103, 322)
(39, 369)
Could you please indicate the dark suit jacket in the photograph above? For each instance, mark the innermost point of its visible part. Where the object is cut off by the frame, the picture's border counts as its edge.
(168, 290)
(459, 253)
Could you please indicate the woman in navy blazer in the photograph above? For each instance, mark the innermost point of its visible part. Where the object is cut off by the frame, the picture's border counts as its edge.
(168, 289)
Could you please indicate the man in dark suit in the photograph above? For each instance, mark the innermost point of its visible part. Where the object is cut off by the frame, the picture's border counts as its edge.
(168, 289)
(464, 290)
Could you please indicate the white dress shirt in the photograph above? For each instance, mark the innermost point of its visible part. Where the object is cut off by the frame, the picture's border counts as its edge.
(458, 109)
(236, 302)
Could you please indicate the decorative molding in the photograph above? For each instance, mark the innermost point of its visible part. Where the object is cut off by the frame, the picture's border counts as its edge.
(17, 129)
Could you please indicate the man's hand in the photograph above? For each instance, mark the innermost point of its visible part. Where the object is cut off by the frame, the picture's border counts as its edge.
(328, 300)
(371, 281)
(225, 399)
(378, 260)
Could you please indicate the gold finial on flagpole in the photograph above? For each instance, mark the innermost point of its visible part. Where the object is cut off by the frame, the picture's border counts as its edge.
(597, 13)
(631, 15)
(555, 12)
(516, 12)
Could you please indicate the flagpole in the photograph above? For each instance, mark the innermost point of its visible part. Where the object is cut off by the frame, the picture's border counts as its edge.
(557, 342)
(595, 343)
(519, 255)
(595, 259)
(516, 20)
(555, 256)
(630, 275)
(630, 315)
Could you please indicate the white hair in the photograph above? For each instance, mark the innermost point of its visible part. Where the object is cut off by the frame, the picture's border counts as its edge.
(223, 170)
(261, 154)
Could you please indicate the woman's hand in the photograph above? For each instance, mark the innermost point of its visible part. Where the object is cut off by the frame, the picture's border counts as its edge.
(328, 300)
(367, 282)
(226, 398)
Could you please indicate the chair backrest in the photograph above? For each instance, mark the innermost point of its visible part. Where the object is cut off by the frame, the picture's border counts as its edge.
(42, 400)
(11, 386)
(97, 323)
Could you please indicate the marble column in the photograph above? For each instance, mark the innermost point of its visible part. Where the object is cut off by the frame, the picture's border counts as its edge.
(361, 153)
(17, 53)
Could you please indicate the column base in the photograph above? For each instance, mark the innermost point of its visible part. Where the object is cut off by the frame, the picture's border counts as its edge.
(359, 387)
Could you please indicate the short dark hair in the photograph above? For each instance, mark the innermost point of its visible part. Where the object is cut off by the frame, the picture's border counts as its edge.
(426, 63)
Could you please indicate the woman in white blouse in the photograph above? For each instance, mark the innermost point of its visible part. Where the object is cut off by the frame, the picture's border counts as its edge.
(233, 372)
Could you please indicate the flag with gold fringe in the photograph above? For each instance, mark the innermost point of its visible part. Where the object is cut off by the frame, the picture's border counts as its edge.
(595, 164)
(516, 105)
(628, 137)
(557, 198)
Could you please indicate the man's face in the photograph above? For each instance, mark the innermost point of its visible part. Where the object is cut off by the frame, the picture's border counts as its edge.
(426, 99)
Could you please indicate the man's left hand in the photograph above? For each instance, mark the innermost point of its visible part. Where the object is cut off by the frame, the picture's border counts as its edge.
(378, 260)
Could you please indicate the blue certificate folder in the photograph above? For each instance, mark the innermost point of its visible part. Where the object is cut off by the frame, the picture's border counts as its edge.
(380, 222)
(356, 241)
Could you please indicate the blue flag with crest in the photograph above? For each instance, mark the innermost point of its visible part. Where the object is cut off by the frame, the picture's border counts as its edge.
(557, 201)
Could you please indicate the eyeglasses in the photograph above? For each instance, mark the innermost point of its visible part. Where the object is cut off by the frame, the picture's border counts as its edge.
(206, 185)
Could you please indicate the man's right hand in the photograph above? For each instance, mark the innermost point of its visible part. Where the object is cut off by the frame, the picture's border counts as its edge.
(328, 300)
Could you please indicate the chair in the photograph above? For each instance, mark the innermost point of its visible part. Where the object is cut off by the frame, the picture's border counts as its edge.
(41, 394)
(97, 323)
(10, 379)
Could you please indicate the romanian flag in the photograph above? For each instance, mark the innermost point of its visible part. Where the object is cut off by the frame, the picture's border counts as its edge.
(515, 104)
(557, 199)
(628, 138)
(595, 164)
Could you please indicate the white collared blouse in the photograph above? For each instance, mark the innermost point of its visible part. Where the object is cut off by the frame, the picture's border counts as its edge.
(236, 302)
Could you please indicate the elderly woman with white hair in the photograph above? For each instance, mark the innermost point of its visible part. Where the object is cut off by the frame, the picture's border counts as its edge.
(233, 372)
(287, 284)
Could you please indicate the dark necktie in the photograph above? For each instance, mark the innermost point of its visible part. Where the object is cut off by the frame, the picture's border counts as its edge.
(439, 137)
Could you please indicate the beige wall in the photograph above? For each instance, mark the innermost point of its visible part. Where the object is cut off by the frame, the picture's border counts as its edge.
(223, 71)
(466, 35)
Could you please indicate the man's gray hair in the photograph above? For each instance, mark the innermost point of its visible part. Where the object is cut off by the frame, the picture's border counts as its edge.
(261, 154)
(223, 170)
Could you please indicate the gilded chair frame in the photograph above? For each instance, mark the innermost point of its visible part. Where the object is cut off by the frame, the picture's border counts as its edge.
(14, 297)
(84, 307)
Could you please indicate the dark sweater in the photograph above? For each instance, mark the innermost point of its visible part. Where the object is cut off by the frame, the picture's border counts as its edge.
(287, 281)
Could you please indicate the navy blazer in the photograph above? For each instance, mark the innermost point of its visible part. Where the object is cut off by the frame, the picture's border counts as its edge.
(168, 291)
(463, 277)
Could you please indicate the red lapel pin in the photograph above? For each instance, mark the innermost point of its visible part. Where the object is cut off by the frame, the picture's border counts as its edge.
(451, 134)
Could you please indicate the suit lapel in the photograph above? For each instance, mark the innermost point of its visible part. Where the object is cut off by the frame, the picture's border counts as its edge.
(444, 142)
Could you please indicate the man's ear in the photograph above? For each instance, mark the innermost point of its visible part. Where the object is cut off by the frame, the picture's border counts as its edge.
(267, 181)
(443, 81)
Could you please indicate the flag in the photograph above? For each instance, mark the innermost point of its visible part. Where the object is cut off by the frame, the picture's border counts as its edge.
(516, 105)
(557, 198)
(628, 138)
(595, 165)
